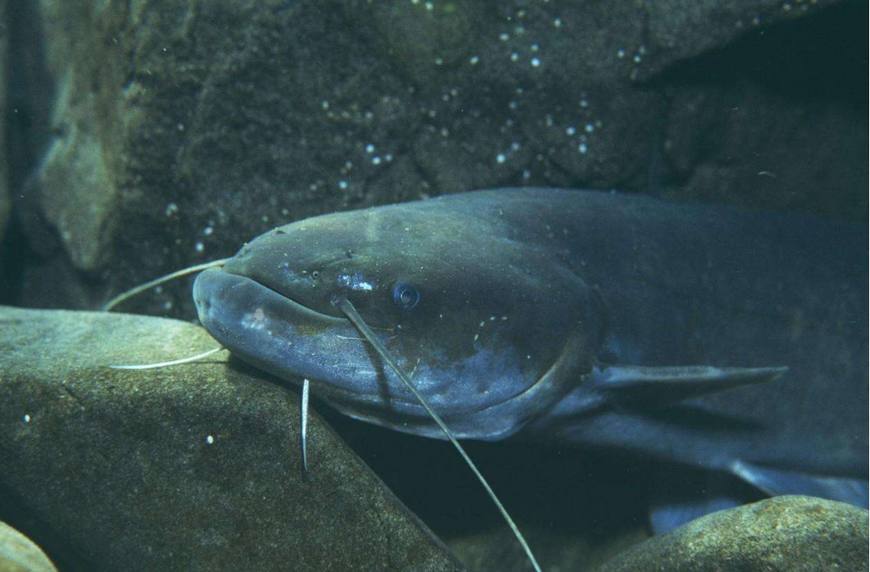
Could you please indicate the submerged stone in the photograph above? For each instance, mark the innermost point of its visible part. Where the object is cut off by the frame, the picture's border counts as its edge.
(787, 533)
(189, 467)
(19, 554)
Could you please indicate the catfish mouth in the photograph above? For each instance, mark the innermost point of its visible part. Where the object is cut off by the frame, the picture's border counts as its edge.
(294, 303)
(298, 300)
(280, 335)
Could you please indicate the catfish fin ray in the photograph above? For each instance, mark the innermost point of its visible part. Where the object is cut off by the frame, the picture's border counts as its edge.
(666, 517)
(784, 482)
(679, 495)
(672, 384)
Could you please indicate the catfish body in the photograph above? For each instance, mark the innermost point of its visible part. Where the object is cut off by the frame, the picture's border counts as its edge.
(563, 315)
(687, 284)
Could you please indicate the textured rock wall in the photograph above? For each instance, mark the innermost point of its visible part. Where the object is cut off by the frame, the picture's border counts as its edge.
(5, 201)
(180, 129)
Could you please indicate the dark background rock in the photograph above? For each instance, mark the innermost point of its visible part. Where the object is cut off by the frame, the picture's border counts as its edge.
(5, 201)
(188, 468)
(781, 534)
(167, 133)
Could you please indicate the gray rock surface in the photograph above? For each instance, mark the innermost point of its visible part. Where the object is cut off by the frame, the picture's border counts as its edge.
(182, 129)
(19, 554)
(788, 534)
(194, 467)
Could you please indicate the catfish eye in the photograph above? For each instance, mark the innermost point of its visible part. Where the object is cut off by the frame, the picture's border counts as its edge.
(405, 295)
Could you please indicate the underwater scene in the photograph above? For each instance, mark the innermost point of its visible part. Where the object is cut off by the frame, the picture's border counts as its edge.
(408, 285)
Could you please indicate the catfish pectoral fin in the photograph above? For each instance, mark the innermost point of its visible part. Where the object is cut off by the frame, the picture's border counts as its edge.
(775, 481)
(667, 385)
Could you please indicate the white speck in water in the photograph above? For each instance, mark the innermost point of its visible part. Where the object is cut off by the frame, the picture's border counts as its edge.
(515, 146)
(476, 336)
(620, 53)
(590, 128)
(534, 47)
(439, 61)
(582, 148)
(26, 418)
(370, 148)
(535, 62)
(342, 185)
(503, 318)
(515, 56)
(481, 324)
(557, 23)
(324, 104)
(209, 439)
(473, 60)
(527, 174)
(500, 158)
(207, 231)
(584, 104)
(503, 37)
(388, 157)
(199, 247)
(171, 209)
(376, 160)
(570, 131)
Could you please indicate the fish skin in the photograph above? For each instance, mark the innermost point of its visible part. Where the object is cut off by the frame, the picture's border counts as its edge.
(527, 295)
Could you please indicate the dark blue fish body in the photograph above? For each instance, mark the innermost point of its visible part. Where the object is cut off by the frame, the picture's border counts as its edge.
(595, 318)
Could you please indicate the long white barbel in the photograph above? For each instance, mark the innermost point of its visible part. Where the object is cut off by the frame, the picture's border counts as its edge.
(349, 310)
(157, 281)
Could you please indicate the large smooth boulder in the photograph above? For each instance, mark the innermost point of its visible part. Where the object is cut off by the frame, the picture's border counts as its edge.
(780, 534)
(19, 554)
(193, 467)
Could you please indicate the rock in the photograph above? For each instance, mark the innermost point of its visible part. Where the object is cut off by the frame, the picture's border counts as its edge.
(5, 201)
(787, 533)
(181, 130)
(183, 468)
(19, 554)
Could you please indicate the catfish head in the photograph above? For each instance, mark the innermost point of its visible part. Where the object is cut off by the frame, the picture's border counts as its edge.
(492, 328)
